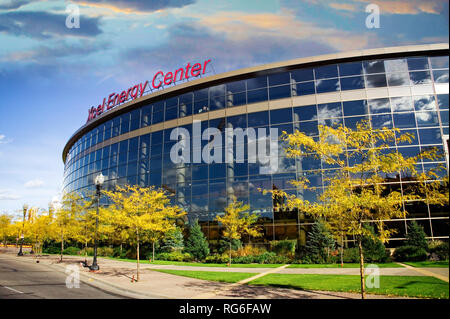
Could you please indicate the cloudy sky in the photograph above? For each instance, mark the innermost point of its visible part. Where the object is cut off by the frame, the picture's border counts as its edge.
(50, 74)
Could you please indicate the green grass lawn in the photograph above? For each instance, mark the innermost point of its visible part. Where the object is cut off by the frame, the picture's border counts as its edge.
(350, 265)
(441, 264)
(230, 277)
(195, 264)
(408, 286)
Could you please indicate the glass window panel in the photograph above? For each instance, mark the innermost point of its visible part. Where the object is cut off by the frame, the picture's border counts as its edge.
(304, 113)
(424, 103)
(323, 86)
(157, 137)
(146, 116)
(216, 103)
(398, 79)
(402, 104)
(427, 119)
(184, 109)
(132, 168)
(353, 68)
(236, 99)
(279, 78)
(237, 121)
(302, 75)
(355, 108)
(218, 90)
(351, 122)
(217, 170)
(125, 123)
(281, 116)
(440, 76)
(201, 94)
(380, 121)
(305, 88)
(422, 77)
(155, 177)
(326, 72)
(413, 135)
(329, 110)
(396, 65)
(200, 106)
(155, 163)
(379, 106)
(430, 136)
(444, 117)
(123, 157)
(116, 127)
(256, 96)
(375, 66)
(199, 172)
(442, 100)
(256, 83)
(122, 171)
(420, 63)
(309, 163)
(235, 87)
(352, 83)
(171, 113)
(404, 120)
(279, 92)
(376, 80)
(331, 122)
(157, 117)
(439, 62)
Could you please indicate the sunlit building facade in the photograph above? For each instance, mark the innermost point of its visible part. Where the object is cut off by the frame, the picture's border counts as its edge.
(402, 87)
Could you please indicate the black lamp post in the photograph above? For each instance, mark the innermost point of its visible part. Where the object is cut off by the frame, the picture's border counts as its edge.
(25, 208)
(99, 180)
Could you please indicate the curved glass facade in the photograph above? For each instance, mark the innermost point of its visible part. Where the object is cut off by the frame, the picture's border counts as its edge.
(409, 93)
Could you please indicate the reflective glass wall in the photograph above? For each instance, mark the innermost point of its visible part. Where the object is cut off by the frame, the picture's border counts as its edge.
(420, 107)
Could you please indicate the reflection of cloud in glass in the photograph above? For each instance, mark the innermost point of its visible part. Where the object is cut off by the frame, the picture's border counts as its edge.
(398, 79)
(441, 77)
(329, 111)
(422, 103)
(398, 65)
(379, 105)
(401, 104)
(424, 117)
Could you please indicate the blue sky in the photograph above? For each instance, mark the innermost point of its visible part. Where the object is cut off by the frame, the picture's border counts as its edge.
(50, 74)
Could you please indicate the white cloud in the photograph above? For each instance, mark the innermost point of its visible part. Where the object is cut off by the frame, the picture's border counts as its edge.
(35, 183)
(6, 195)
(3, 139)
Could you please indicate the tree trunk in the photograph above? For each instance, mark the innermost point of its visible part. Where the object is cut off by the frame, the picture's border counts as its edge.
(361, 267)
(137, 277)
(230, 252)
(120, 250)
(342, 251)
(62, 246)
(153, 251)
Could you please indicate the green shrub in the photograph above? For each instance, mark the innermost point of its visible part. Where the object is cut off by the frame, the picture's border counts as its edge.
(243, 260)
(90, 251)
(118, 253)
(264, 258)
(51, 250)
(319, 243)
(175, 256)
(439, 250)
(373, 249)
(351, 255)
(416, 236)
(283, 247)
(173, 241)
(71, 251)
(217, 259)
(410, 253)
(197, 245)
(105, 251)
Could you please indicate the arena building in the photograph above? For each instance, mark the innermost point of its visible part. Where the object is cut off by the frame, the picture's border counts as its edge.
(127, 137)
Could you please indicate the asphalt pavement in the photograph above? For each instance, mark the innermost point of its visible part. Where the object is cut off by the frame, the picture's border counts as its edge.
(24, 280)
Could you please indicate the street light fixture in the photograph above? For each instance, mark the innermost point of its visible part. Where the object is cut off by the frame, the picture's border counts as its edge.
(99, 180)
(25, 208)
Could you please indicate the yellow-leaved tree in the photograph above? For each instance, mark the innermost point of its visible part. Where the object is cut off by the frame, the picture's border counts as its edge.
(237, 222)
(360, 164)
(40, 228)
(66, 223)
(5, 228)
(143, 211)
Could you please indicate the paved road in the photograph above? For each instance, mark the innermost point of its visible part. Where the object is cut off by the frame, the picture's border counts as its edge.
(25, 280)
